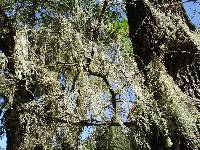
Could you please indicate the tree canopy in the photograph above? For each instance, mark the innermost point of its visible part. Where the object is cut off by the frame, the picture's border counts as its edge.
(127, 69)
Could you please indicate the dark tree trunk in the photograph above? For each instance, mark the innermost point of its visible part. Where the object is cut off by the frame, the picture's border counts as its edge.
(7, 42)
(180, 56)
(14, 129)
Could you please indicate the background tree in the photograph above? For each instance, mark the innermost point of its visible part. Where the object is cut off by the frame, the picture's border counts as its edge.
(67, 56)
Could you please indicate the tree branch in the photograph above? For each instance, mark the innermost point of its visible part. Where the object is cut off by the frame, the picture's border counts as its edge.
(113, 94)
(81, 122)
(96, 33)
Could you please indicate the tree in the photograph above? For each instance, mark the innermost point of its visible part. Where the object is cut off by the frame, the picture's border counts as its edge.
(167, 53)
(63, 65)
(70, 64)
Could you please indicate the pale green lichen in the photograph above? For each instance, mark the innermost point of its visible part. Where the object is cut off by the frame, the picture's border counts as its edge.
(170, 102)
(164, 108)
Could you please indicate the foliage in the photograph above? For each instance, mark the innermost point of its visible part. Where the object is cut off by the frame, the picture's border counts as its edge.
(112, 138)
(52, 48)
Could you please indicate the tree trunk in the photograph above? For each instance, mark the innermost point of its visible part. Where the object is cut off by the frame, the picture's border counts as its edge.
(14, 129)
(167, 44)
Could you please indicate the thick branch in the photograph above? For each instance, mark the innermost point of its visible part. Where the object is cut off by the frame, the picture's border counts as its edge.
(146, 32)
(152, 24)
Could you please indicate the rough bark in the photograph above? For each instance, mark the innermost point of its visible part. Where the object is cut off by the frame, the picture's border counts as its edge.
(14, 129)
(7, 42)
(171, 42)
(181, 58)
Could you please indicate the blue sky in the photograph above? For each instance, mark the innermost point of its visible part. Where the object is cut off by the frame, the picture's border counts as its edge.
(192, 11)
(3, 142)
(3, 139)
